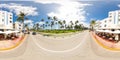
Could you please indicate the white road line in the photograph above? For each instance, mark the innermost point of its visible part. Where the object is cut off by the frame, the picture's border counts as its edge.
(68, 50)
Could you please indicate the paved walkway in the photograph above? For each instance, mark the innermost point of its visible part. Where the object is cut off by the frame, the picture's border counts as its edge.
(106, 43)
(7, 44)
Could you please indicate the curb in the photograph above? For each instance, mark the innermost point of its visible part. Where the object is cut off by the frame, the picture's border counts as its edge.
(102, 45)
(17, 44)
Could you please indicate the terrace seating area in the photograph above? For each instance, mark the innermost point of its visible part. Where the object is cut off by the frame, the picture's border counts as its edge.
(109, 35)
(8, 35)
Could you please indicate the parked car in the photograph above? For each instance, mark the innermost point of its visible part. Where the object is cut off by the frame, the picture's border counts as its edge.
(33, 33)
(28, 32)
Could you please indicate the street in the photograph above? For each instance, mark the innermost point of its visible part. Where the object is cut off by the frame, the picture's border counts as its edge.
(80, 46)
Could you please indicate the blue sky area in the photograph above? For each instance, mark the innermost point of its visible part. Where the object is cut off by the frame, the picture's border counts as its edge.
(95, 10)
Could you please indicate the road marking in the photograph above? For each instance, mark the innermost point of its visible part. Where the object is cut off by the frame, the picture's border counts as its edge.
(69, 50)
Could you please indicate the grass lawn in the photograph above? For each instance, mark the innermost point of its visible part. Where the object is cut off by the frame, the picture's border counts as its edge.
(58, 31)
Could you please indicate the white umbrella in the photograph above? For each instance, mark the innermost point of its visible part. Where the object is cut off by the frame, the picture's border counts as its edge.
(107, 31)
(1, 32)
(116, 32)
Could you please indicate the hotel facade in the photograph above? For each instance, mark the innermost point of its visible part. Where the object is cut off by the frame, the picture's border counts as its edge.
(6, 20)
(111, 22)
(18, 26)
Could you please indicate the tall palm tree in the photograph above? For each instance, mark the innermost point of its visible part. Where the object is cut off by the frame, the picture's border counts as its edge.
(92, 23)
(60, 24)
(26, 26)
(71, 22)
(76, 22)
(21, 18)
(51, 23)
(46, 23)
(55, 19)
(64, 22)
(37, 26)
(42, 20)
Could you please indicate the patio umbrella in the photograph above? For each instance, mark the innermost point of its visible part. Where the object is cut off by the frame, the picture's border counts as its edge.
(116, 32)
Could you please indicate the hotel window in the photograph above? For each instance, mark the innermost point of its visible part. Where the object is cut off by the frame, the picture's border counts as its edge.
(105, 21)
(110, 16)
(105, 25)
(109, 20)
(110, 13)
(10, 17)
(10, 21)
(118, 12)
(2, 20)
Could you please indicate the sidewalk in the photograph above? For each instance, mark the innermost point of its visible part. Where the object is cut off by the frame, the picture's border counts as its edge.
(9, 44)
(105, 43)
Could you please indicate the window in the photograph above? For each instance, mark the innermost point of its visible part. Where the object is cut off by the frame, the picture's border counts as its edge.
(105, 21)
(110, 13)
(110, 16)
(10, 17)
(10, 21)
(118, 19)
(105, 25)
(2, 20)
(110, 20)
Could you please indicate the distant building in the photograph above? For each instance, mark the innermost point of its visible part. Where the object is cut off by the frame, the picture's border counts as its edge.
(6, 20)
(18, 26)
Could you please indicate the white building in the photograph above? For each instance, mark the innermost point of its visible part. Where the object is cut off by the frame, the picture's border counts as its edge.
(6, 20)
(111, 22)
(18, 26)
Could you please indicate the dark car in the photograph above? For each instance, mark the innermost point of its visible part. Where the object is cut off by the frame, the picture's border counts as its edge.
(28, 32)
(33, 33)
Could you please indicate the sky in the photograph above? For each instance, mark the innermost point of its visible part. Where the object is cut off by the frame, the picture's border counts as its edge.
(68, 10)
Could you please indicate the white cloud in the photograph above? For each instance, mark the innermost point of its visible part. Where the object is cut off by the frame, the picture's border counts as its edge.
(119, 5)
(29, 10)
(28, 21)
(40, 23)
(68, 10)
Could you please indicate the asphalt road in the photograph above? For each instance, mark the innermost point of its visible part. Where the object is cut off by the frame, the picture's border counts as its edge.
(79, 46)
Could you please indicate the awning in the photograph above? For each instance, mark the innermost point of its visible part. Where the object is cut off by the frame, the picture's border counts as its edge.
(8, 32)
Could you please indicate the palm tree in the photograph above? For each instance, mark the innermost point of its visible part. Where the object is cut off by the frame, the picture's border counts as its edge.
(76, 22)
(26, 26)
(21, 18)
(55, 19)
(46, 23)
(42, 20)
(37, 26)
(60, 24)
(71, 22)
(49, 18)
(76, 25)
(92, 23)
(51, 23)
(64, 22)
